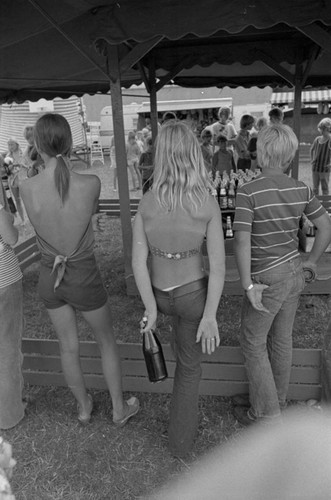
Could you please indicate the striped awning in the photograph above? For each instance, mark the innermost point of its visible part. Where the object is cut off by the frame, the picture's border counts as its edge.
(308, 96)
(14, 117)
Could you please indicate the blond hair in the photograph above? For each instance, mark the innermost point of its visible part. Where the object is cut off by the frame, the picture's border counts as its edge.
(179, 168)
(325, 124)
(276, 146)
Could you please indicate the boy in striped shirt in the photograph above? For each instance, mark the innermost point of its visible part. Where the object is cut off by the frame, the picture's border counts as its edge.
(268, 210)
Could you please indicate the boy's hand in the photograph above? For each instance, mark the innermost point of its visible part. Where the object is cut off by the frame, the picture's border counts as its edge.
(308, 264)
(255, 297)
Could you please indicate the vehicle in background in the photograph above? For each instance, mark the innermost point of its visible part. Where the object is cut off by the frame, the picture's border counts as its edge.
(197, 112)
(130, 116)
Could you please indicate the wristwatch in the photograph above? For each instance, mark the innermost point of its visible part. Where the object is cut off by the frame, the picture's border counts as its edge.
(249, 287)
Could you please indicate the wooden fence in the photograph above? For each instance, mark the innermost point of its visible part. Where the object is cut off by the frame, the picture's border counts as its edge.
(223, 373)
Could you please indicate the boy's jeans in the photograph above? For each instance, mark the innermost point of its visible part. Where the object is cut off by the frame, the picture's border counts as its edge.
(187, 311)
(266, 338)
(11, 380)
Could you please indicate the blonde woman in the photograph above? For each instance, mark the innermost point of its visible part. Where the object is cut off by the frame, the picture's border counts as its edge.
(60, 204)
(172, 221)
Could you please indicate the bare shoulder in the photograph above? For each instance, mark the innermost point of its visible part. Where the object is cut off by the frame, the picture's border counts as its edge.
(87, 181)
(29, 185)
(146, 201)
(212, 208)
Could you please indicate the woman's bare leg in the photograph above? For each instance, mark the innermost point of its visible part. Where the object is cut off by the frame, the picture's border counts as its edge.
(18, 202)
(136, 169)
(131, 169)
(100, 321)
(64, 322)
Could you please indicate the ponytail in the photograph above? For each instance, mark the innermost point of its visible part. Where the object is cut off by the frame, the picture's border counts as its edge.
(52, 136)
(62, 177)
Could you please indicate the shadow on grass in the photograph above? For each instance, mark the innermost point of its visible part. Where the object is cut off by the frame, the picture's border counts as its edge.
(60, 460)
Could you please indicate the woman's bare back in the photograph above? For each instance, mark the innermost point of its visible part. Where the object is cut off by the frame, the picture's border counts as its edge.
(60, 224)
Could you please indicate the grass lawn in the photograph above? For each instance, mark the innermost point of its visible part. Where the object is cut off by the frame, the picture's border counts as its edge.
(59, 460)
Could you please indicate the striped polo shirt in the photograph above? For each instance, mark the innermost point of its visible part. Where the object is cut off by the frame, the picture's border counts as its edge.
(270, 207)
(320, 155)
(10, 271)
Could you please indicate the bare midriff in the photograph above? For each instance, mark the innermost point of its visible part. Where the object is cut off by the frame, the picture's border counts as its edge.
(175, 240)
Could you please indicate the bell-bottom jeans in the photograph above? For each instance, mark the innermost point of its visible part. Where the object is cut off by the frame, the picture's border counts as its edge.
(266, 337)
(187, 310)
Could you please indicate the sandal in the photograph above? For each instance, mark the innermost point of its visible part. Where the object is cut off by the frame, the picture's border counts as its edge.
(85, 417)
(132, 408)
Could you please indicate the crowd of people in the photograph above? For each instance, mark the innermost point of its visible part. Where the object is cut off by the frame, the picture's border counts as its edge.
(176, 214)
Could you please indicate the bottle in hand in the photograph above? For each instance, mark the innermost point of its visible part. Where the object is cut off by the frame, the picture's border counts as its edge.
(154, 358)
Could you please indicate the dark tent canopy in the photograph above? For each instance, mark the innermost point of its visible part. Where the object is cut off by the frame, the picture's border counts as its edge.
(59, 48)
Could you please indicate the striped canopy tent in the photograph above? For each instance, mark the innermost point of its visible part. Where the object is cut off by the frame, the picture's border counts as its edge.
(307, 97)
(50, 49)
(14, 117)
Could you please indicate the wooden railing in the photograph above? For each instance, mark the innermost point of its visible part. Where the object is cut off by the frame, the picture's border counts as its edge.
(223, 373)
(112, 207)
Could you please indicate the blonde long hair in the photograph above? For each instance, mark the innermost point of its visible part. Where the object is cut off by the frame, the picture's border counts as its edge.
(179, 168)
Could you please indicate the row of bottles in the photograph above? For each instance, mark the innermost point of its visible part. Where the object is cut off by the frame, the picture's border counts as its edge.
(225, 186)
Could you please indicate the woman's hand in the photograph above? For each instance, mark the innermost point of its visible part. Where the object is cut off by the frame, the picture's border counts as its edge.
(208, 335)
(148, 322)
(99, 222)
(255, 297)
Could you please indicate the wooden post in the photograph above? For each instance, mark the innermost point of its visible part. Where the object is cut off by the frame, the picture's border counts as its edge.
(297, 115)
(121, 162)
(153, 99)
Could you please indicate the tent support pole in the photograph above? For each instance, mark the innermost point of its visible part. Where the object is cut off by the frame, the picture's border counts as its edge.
(153, 98)
(297, 115)
(122, 171)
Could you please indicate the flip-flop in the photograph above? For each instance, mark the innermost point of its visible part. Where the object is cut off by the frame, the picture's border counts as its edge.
(84, 418)
(131, 410)
(241, 400)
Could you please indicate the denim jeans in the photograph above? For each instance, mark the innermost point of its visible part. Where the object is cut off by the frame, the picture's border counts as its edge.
(11, 380)
(266, 338)
(187, 311)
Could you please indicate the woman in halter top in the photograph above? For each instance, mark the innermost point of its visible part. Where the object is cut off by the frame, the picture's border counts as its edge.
(60, 204)
(172, 221)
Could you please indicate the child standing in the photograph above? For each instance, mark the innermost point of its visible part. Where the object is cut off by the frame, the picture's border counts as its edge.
(133, 155)
(268, 210)
(146, 165)
(260, 123)
(320, 154)
(223, 158)
(13, 160)
(207, 148)
(241, 142)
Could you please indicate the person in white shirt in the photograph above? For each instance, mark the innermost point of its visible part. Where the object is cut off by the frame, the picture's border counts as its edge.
(223, 125)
